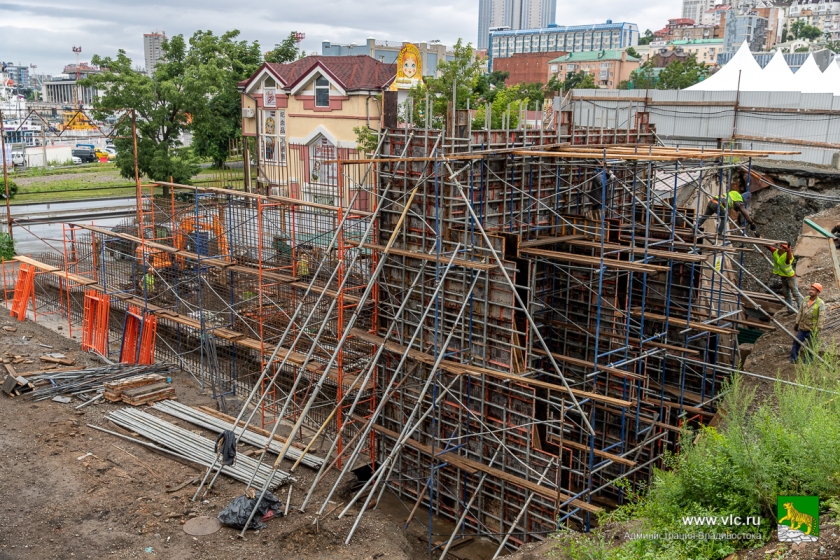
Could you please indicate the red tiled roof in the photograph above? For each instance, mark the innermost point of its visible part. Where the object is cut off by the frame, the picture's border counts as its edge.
(358, 72)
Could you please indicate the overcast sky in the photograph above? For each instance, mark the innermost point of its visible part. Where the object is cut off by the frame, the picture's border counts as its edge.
(43, 32)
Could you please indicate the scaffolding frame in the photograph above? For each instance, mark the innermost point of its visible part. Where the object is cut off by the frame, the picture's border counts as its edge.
(500, 323)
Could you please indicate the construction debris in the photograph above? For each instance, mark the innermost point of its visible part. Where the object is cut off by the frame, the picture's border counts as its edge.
(215, 423)
(193, 447)
(82, 381)
(139, 390)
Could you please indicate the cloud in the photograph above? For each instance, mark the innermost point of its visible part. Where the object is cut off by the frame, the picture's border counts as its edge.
(42, 32)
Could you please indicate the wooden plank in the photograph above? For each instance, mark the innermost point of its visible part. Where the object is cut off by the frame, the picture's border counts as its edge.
(475, 371)
(548, 241)
(633, 341)
(423, 256)
(682, 322)
(448, 457)
(595, 261)
(589, 365)
(463, 463)
(37, 264)
(673, 255)
(251, 428)
(596, 452)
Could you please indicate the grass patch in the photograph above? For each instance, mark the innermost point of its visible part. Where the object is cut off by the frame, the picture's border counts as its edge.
(790, 445)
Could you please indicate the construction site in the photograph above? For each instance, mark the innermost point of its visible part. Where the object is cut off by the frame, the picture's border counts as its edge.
(495, 327)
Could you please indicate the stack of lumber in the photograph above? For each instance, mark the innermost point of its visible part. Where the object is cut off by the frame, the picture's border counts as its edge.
(139, 390)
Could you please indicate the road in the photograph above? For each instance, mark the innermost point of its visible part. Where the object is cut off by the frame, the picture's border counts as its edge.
(38, 227)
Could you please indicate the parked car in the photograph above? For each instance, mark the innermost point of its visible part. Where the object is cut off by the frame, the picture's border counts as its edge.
(85, 154)
(77, 160)
(103, 154)
(18, 159)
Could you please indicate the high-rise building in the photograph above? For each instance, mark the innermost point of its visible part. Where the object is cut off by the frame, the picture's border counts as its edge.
(749, 27)
(513, 14)
(695, 9)
(554, 38)
(152, 43)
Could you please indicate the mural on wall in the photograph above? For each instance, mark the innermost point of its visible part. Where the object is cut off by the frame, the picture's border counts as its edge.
(274, 133)
(409, 68)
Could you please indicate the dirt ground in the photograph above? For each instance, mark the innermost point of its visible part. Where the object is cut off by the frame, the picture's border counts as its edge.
(69, 491)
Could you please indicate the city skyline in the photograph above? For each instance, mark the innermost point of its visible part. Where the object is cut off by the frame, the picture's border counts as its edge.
(42, 33)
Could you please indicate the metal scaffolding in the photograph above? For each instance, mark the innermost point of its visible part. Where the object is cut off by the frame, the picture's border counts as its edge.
(500, 324)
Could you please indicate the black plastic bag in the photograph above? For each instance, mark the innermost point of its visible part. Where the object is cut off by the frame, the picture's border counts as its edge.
(239, 509)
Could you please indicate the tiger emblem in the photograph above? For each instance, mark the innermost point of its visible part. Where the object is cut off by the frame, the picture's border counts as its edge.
(796, 518)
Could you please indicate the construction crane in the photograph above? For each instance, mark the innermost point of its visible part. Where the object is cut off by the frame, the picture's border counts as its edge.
(78, 98)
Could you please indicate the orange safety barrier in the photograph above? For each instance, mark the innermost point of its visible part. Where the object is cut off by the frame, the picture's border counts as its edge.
(24, 289)
(95, 322)
(138, 344)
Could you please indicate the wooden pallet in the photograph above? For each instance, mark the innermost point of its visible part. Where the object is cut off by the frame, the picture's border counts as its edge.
(140, 389)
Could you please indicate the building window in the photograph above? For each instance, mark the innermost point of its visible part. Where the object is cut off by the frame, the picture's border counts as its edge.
(322, 92)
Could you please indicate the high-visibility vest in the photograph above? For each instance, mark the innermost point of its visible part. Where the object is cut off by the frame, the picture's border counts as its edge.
(815, 313)
(303, 266)
(150, 281)
(780, 264)
(732, 196)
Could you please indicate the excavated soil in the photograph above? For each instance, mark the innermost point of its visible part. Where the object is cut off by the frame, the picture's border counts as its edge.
(69, 491)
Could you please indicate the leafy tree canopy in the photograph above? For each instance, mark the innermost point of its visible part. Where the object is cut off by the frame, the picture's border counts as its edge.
(647, 37)
(287, 51)
(682, 74)
(193, 89)
(161, 103)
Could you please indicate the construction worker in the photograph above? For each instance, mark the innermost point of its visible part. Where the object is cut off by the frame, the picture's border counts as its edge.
(733, 200)
(783, 268)
(303, 266)
(809, 321)
(149, 280)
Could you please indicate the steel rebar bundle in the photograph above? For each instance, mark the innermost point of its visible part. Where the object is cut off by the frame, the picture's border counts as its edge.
(199, 418)
(193, 447)
(91, 379)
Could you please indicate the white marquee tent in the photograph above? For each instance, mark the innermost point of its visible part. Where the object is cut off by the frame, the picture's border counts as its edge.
(744, 73)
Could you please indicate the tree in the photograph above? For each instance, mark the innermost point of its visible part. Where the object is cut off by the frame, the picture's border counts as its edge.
(161, 103)
(487, 85)
(218, 64)
(647, 37)
(801, 30)
(287, 51)
(642, 77)
(460, 74)
(633, 52)
(832, 45)
(579, 80)
(682, 74)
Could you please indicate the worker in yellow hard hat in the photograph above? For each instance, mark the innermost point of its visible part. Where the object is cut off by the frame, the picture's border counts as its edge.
(809, 321)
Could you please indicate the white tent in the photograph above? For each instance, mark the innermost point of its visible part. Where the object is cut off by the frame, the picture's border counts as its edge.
(742, 72)
(809, 78)
(831, 77)
(777, 75)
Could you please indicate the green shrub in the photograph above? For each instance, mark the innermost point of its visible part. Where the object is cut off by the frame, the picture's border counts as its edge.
(789, 445)
(7, 246)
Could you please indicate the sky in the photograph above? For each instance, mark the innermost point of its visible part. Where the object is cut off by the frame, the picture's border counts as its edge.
(43, 32)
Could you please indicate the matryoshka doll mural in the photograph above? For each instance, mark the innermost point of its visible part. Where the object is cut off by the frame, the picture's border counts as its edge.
(409, 68)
